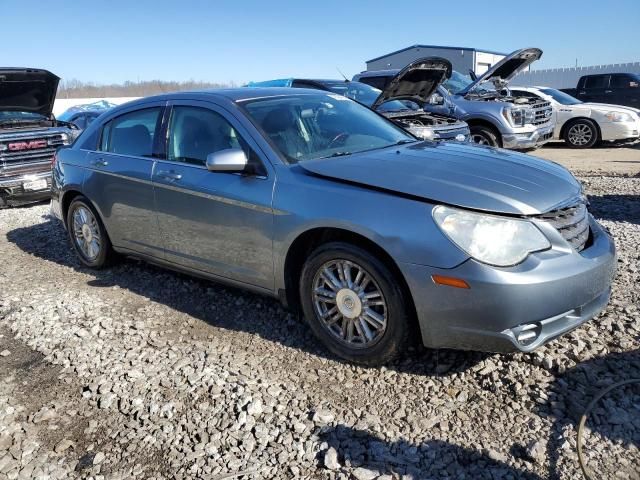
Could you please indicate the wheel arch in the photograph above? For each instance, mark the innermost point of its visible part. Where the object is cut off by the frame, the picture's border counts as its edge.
(571, 121)
(481, 122)
(309, 240)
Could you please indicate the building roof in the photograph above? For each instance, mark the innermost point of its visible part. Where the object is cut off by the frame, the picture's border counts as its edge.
(436, 46)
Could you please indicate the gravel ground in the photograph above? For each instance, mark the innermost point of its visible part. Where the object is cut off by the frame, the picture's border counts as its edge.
(139, 372)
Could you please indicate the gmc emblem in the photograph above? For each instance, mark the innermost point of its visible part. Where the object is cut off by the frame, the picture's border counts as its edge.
(30, 145)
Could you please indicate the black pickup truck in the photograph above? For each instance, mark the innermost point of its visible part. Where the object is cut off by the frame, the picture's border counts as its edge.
(29, 134)
(613, 88)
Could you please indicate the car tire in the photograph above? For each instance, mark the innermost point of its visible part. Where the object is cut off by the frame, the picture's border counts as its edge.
(484, 136)
(581, 133)
(378, 337)
(3, 203)
(88, 235)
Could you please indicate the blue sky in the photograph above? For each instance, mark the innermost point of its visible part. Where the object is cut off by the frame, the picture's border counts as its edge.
(223, 41)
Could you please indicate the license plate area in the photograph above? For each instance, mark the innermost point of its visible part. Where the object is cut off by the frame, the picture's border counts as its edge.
(34, 185)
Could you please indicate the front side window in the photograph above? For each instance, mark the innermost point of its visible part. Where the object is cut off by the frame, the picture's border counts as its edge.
(196, 132)
(306, 127)
(132, 133)
(600, 81)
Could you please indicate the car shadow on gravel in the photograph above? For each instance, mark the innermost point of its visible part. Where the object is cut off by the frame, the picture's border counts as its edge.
(431, 459)
(218, 305)
(571, 393)
(617, 208)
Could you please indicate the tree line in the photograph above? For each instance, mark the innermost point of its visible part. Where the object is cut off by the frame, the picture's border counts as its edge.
(79, 89)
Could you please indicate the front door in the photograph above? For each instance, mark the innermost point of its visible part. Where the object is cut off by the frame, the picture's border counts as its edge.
(594, 89)
(119, 179)
(215, 222)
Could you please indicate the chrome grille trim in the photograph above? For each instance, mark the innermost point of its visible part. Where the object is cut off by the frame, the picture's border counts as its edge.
(540, 110)
(30, 161)
(572, 223)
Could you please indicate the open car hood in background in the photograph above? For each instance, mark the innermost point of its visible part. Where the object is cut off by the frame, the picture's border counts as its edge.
(507, 68)
(27, 90)
(416, 82)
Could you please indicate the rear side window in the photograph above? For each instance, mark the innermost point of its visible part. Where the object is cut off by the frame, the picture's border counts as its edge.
(132, 133)
(196, 132)
(621, 81)
(600, 81)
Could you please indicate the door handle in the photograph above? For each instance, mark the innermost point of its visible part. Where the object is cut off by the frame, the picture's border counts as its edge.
(170, 176)
(607, 91)
(101, 162)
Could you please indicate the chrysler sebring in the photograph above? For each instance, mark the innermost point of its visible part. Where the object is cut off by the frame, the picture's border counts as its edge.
(378, 238)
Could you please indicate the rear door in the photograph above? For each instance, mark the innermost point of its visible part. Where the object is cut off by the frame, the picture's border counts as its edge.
(119, 178)
(624, 89)
(594, 89)
(216, 222)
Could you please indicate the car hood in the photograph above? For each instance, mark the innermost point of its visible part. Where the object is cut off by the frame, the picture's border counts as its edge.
(474, 177)
(507, 68)
(27, 90)
(416, 82)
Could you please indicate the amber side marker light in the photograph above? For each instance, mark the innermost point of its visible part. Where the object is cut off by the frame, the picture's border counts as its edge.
(449, 281)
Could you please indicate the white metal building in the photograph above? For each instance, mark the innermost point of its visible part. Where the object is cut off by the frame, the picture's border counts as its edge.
(463, 59)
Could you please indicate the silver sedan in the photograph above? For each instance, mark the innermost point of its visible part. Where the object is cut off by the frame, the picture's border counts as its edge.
(378, 238)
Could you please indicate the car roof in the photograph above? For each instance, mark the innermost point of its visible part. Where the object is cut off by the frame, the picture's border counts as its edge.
(230, 94)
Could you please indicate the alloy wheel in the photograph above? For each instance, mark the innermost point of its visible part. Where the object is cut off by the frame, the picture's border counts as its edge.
(349, 303)
(480, 139)
(86, 233)
(580, 134)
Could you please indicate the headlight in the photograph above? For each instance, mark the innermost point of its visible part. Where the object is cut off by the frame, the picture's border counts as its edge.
(490, 239)
(618, 117)
(515, 116)
(518, 117)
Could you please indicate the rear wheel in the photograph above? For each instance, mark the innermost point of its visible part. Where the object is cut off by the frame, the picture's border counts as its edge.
(484, 136)
(354, 304)
(581, 133)
(88, 235)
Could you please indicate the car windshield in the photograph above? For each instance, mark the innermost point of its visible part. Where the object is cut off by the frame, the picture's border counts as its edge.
(458, 82)
(366, 94)
(560, 97)
(305, 127)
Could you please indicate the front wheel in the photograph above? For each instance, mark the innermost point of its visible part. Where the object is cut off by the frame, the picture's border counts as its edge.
(581, 134)
(354, 304)
(88, 235)
(484, 136)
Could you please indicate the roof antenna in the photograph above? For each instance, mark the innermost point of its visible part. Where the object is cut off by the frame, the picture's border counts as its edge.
(343, 75)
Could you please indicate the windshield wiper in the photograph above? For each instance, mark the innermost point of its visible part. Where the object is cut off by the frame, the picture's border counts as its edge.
(402, 142)
(337, 154)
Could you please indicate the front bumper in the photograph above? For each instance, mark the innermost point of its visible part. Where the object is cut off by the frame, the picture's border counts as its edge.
(537, 138)
(549, 294)
(12, 189)
(620, 131)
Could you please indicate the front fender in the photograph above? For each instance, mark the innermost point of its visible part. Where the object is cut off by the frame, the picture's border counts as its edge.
(402, 227)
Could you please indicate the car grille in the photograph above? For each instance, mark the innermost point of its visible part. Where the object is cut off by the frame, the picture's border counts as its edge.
(572, 223)
(28, 160)
(543, 112)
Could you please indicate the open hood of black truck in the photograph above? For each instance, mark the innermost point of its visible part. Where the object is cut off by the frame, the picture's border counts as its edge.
(27, 90)
(416, 82)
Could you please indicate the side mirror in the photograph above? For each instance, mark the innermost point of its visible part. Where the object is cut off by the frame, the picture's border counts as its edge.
(436, 99)
(229, 160)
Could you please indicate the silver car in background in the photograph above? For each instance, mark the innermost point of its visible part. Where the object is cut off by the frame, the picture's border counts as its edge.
(310, 197)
